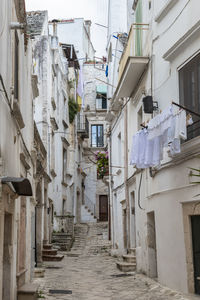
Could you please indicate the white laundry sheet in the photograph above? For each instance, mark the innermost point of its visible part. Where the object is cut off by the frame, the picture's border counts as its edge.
(165, 130)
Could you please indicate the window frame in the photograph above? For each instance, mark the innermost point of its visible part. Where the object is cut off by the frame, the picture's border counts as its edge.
(98, 144)
(102, 97)
(189, 92)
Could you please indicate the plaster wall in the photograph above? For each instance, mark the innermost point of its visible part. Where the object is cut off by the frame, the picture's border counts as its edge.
(14, 141)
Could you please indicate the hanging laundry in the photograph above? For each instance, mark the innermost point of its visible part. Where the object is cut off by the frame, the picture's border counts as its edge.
(189, 120)
(166, 129)
(146, 153)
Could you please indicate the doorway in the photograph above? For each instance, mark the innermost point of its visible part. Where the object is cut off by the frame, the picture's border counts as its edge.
(124, 220)
(195, 223)
(7, 256)
(103, 208)
(133, 221)
(151, 244)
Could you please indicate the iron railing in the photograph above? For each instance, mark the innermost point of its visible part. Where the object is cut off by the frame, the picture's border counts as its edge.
(82, 125)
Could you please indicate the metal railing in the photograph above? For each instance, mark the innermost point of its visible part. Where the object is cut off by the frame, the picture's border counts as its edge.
(135, 46)
(82, 125)
(90, 205)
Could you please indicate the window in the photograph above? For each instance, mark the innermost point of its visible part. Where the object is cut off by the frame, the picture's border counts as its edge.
(97, 136)
(16, 67)
(64, 163)
(101, 97)
(101, 101)
(189, 87)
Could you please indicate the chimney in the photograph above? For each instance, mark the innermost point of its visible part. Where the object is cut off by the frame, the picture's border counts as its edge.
(54, 21)
(88, 26)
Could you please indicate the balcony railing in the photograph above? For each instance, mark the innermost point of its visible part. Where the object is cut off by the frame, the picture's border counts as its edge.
(82, 125)
(134, 47)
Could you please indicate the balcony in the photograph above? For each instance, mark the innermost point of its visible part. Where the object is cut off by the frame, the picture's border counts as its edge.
(82, 126)
(133, 62)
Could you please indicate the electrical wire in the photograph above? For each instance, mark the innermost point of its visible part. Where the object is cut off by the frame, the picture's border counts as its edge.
(174, 20)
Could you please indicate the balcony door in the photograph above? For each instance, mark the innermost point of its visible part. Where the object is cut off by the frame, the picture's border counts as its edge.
(97, 139)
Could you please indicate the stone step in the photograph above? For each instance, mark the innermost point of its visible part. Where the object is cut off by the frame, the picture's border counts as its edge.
(63, 246)
(49, 252)
(60, 241)
(52, 257)
(126, 267)
(61, 234)
(39, 273)
(61, 237)
(132, 251)
(129, 258)
(27, 292)
(47, 246)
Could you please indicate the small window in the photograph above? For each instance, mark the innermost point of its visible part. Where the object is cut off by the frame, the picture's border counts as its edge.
(189, 88)
(97, 138)
(101, 101)
(64, 163)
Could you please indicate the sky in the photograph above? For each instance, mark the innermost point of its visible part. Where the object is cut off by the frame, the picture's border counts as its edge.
(94, 10)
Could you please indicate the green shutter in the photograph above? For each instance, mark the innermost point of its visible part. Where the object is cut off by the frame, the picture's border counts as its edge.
(138, 32)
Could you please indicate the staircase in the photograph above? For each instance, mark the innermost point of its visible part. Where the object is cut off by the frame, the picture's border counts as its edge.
(28, 292)
(80, 235)
(129, 262)
(87, 215)
(62, 241)
(49, 254)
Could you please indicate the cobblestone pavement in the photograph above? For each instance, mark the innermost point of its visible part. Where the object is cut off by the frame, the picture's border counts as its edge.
(91, 274)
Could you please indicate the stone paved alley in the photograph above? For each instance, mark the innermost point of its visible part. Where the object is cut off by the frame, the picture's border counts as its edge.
(90, 273)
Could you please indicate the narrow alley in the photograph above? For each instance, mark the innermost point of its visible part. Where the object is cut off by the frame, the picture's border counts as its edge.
(88, 272)
(99, 149)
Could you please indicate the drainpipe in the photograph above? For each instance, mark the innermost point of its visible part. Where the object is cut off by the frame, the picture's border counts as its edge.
(126, 174)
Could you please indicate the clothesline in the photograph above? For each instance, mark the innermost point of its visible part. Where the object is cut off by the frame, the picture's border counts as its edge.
(164, 130)
(187, 109)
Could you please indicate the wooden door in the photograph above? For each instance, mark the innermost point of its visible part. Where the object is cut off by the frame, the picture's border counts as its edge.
(103, 208)
(195, 221)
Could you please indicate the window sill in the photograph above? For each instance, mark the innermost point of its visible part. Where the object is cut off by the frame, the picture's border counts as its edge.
(97, 147)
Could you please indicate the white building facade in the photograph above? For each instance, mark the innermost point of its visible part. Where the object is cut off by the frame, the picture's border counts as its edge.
(154, 210)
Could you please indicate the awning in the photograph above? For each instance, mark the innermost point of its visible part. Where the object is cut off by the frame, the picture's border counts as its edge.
(102, 89)
(21, 185)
